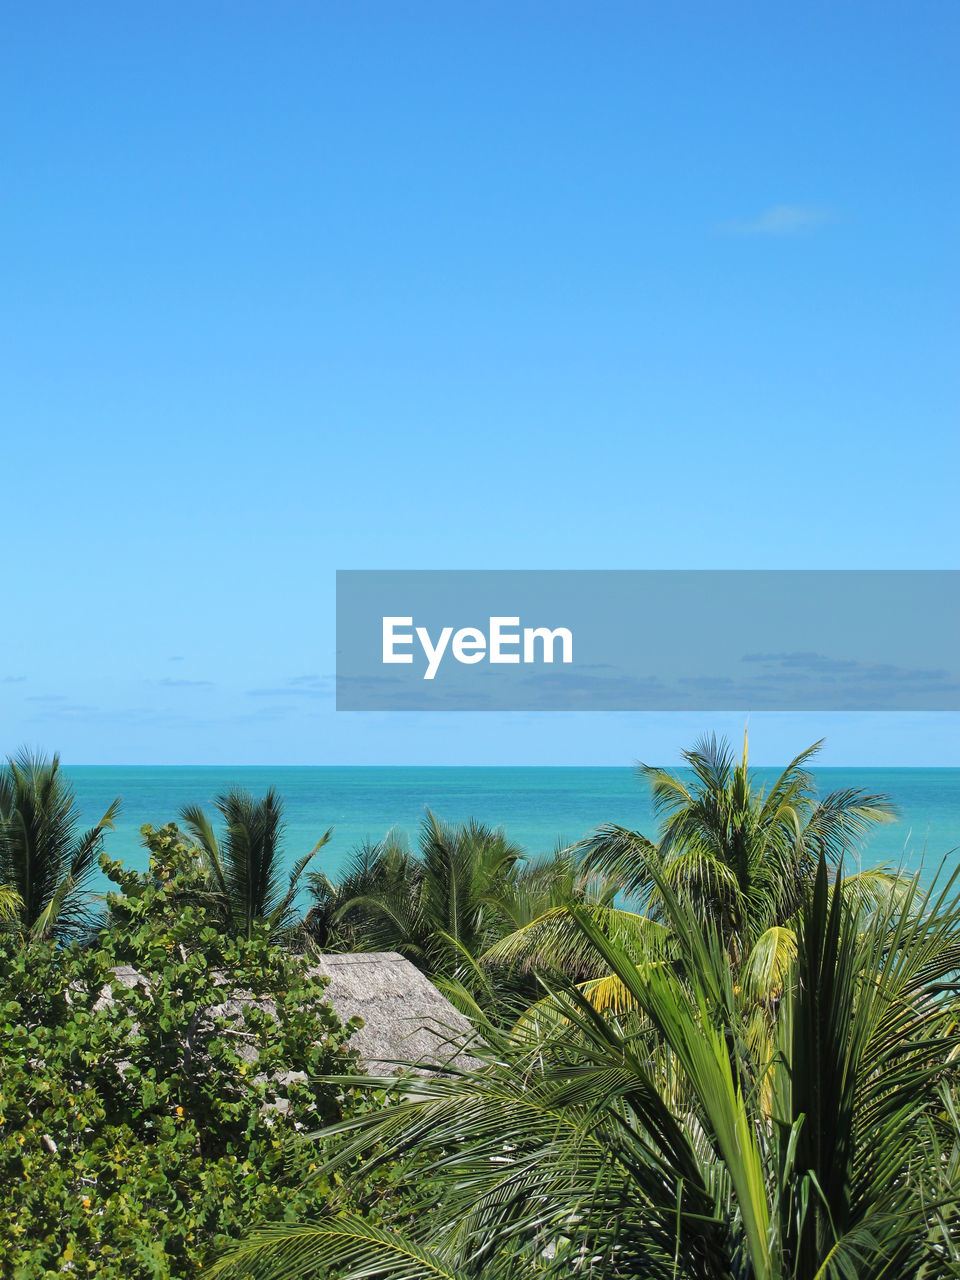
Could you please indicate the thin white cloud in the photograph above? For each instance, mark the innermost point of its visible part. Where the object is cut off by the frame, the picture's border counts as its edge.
(308, 686)
(780, 220)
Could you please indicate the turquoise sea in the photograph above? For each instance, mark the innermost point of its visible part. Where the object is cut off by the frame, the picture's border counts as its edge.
(536, 806)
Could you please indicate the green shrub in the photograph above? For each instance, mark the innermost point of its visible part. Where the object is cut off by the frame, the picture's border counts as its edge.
(137, 1136)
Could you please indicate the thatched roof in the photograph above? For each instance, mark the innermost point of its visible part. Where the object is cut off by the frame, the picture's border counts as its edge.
(405, 1018)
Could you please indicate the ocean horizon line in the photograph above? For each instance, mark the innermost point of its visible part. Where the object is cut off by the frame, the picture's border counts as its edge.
(825, 768)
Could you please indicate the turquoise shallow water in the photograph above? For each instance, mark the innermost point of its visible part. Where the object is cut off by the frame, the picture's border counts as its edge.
(536, 806)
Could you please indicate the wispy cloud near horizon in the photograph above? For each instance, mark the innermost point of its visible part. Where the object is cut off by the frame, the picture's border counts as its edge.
(169, 683)
(306, 686)
(780, 220)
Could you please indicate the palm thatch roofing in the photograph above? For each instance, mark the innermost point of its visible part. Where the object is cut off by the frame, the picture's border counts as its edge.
(405, 1019)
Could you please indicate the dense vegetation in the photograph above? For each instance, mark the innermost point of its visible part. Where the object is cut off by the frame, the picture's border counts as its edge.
(702, 1054)
(666, 1140)
(143, 1123)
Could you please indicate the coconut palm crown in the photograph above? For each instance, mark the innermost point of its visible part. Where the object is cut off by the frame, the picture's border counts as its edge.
(45, 860)
(244, 864)
(439, 907)
(741, 855)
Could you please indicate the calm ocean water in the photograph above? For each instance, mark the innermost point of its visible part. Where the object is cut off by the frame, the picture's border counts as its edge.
(536, 806)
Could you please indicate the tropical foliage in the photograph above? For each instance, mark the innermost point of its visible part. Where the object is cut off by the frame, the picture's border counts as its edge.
(657, 1144)
(10, 904)
(143, 1122)
(466, 888)
(439, 908)
(45, 860)
(705, 1054)
(740, 856)
(244, 865)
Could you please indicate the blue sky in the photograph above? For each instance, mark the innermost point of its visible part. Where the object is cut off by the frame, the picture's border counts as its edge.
(293, 287)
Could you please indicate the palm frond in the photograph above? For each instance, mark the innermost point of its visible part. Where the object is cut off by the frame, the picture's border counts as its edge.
(356, 1248)
(244, 863)
(554, 941)
(42, 858)
(768, 965)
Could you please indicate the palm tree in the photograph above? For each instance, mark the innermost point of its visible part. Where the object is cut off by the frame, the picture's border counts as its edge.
(44, 860)
(468, 873)
(440, 907)
(657, 1144)
(243, 865)
(742, 856)
(372, 905)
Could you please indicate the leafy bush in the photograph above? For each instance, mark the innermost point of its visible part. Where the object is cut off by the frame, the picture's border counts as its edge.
(142, 1119)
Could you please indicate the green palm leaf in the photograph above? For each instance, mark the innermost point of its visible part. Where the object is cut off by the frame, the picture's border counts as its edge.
(42, 857)
(244, 864)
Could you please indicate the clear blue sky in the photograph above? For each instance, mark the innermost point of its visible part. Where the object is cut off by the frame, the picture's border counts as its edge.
(291, 287)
